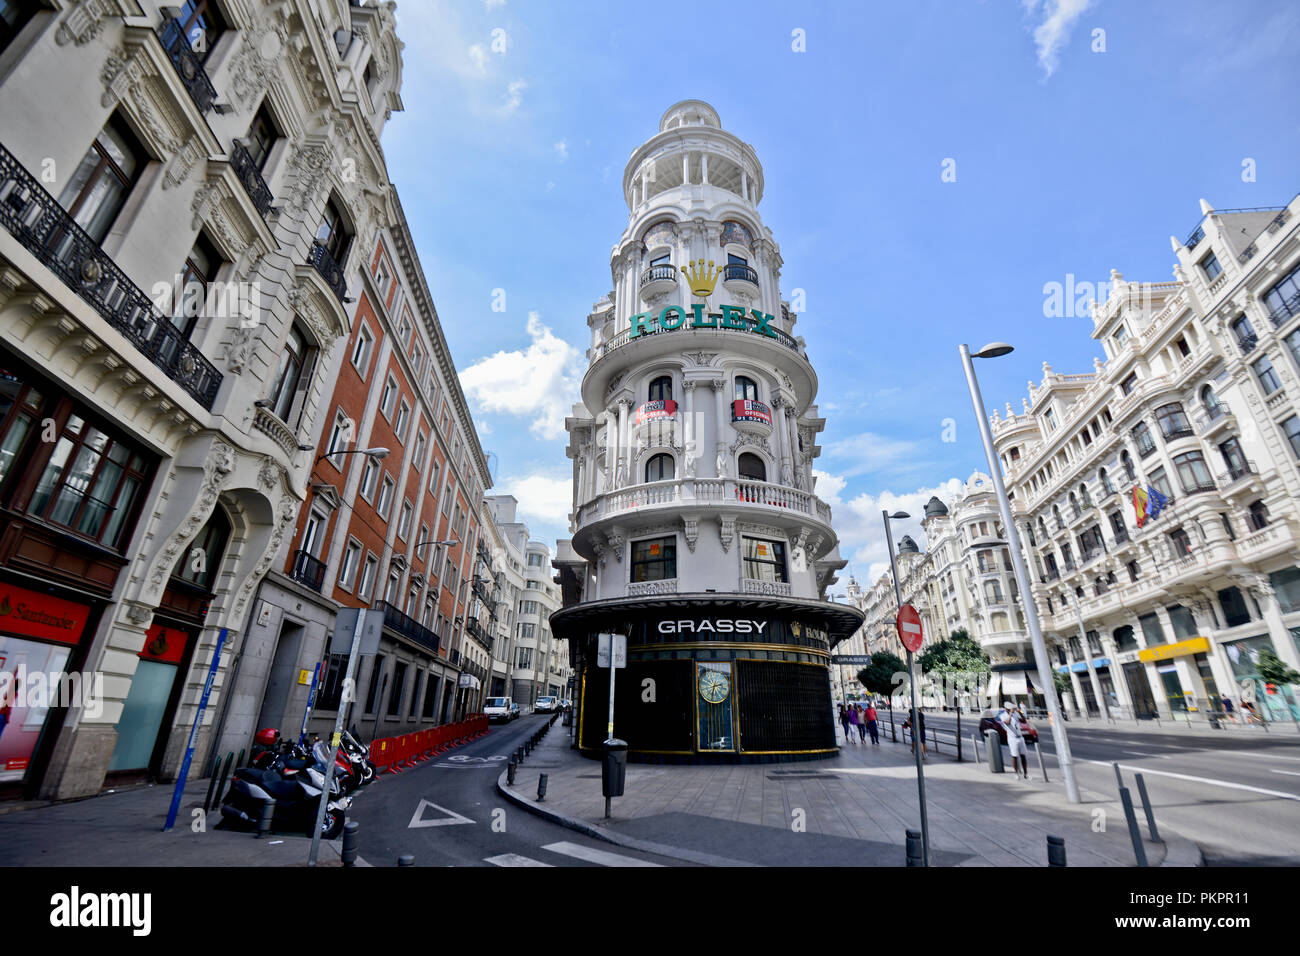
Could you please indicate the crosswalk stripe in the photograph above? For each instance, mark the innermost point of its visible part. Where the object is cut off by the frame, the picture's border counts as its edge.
(592, 855)
(513, 859)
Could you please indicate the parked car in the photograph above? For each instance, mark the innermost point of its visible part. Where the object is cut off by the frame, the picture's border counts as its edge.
(500, 709)
(989, 721)
(546, 705)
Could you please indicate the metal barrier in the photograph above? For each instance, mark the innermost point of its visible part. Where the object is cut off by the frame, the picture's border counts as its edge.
(395, 754)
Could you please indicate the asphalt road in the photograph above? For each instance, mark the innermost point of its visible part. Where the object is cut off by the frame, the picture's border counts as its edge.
(447, 812)
(1235, 793)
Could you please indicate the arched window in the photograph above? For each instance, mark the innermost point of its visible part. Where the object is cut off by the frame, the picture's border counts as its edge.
(751, 467)
(1056, 513)
(746, 388)
(1106, 486)
(1085, 499)
(661, 388)
(1042, 528)
(1127, 461)
(1210, 401)
(199, 562)
(660, 468)
(1074, 505)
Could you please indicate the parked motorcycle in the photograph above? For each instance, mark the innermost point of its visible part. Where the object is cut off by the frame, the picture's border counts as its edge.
(297, 792)
(359, 753)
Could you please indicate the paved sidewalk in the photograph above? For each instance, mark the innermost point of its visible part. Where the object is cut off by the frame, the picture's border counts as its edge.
(124, 828)
(853, 809)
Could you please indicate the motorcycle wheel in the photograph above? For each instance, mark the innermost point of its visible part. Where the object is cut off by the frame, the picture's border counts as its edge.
(331, 826)
(367, 772)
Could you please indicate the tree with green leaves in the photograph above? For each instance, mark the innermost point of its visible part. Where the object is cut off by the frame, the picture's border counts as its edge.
(959, 653)
(878, 676)
(1275, 670)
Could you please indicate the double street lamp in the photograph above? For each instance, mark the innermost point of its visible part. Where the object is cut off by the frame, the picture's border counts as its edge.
(993, 350)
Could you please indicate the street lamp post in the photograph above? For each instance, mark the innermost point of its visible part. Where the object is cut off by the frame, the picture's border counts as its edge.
(377, 453)
(1087, 656)
(1059, 736)
(917, 737)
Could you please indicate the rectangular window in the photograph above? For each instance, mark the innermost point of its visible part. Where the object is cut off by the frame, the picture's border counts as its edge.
(369, 572)
(1142, 438)
(394, 583)
(1183, 622)
(1180, 543)
(404, 330)
(1267, 376)
(385, 503)
(1192, 472)
(526, 631)
(430, 696)
(373, 692)
(1133, 570)
(653, 559)
(525, 657)
(404, 521)
(527, 607)
(98, 188)
(1129, 383)
(399, 687)
(340, 438)
(403, 419)
(369, 476)
(417, 359)
(1160, 483)
(1210, 266)
(417, 457)
(386, 399)
(351, 557)
(415, 693)
(1291, 428)
(331, 691)
(361, 351)
(764, 560)
(292, 376)
(1234, 607)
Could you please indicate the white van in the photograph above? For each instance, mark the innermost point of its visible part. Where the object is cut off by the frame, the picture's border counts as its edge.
(500, 708)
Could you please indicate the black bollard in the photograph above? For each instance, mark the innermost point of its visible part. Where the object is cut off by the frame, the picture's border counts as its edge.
(519, 755)
(240, 761)
(1139, 851)
(914, 857)
(1146, 805)
(406, 859)
(221, 787)
(268, 814)
(511, 767)
(1055, 851)
(541, 787)
(212, 783)
(350, 842)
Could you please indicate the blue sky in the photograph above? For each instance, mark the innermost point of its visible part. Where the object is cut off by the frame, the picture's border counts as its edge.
(1068, 160)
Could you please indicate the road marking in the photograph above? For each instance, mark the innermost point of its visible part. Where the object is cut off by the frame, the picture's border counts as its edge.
(451, 817)
(1289, 773)
(592, 855)
(1250, 753)
(1135, 753)
(1209, 780)
(513, 859)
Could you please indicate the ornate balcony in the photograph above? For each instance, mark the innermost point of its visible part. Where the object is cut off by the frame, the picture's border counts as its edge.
(251, 178)
(738, 278)
(657, 281)
(330, 271)
(754, 417)
(308, 569)
(188, 65)
(407, 627)
(709, 492)
(36, 220)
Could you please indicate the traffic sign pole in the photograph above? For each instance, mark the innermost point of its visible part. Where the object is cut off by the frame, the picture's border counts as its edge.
(908, 637)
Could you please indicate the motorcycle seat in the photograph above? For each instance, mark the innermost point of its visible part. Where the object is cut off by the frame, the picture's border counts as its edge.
(280, 788)
(297, 764)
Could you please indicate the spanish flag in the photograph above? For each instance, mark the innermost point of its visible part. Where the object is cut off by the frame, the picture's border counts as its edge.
(1140, 504)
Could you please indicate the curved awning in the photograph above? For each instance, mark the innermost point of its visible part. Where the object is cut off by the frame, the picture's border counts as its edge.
(840, 621)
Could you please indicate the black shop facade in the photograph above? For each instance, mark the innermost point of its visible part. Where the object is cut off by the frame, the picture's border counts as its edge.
(709, 679)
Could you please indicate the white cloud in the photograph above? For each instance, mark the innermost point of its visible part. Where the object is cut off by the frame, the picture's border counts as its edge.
(562, 149)
(1052, 32)
(869, 452)
(515, 95)
(860, 526)
(540, 381)
(494, 3)
(544, 501)
(478, 55)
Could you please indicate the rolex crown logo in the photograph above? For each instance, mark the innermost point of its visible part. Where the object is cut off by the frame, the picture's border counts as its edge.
(700, 279)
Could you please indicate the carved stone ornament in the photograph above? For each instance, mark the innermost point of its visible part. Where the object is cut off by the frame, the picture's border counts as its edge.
(309, 164)
(285, 514)
(726, 530)
(84, 22)
(216, 472)
(616, 546)
(691, 529)
(270, 473)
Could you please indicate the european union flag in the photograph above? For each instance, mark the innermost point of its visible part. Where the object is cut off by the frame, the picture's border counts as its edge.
(1155, 502)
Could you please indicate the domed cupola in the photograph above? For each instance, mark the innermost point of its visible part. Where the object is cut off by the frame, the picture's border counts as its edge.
(934, 508)
(907, 546)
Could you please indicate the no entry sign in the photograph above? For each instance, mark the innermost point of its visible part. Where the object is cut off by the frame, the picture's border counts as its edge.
(909, 628)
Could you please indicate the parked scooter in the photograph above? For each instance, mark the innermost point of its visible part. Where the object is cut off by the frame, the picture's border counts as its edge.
(359, 754)
(297, 794)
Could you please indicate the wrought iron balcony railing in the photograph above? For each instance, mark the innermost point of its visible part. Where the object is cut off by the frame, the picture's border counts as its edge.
(1237, 472)
(1284, 310)
(251, 178)
(743, 273)
(655, 273)
(188, 65)
(408, 627)
(45, 229)
(330, 271)
(308, 569)
(480, 588)
(1247, 343)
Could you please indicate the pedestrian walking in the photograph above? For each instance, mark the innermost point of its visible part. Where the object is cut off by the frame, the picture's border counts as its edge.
(862, 724)
(919, 725)
(853, 723)
(844, 722)
(1015, 740)
(1227, 709)
(1248, 714)
(871, 723)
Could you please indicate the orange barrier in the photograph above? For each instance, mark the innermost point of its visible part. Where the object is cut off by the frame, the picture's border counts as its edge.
(395, 754)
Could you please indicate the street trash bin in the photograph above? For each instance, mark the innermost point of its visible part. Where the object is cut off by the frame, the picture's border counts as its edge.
(613, 770)
(993, 744)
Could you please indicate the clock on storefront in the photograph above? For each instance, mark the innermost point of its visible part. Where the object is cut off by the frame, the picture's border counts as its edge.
(714, 686)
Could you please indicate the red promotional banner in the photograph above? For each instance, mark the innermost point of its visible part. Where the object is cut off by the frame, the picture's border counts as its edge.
(166, 644)
(42, 616)
(661, 408)
(743, 410)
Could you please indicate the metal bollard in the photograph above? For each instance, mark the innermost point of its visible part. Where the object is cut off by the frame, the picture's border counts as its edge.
(935, 735)
(1119, 780)
(993, 745)
(1042, 763)
(914, 853)
(221, 787)
(511, 767)
(268, 814)
(212, 783)
(406, 859)
(1139, 851)
(1146, 805)
(350, 842)
(240, 761)
(541, 787)
(1056, 851)
(519, 755)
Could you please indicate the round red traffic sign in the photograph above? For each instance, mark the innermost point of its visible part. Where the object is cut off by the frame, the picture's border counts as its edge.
(909, 628)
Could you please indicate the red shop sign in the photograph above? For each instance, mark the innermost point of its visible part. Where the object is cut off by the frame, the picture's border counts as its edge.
(747, 411)
(165, 644)
(42, 616)
(658, 409)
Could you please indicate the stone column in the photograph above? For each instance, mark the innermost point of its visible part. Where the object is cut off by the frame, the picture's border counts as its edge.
(704, 169)
(686, 169)
(720, 404)
(624, 465)
(1266, 598)
(744, 183)
(609, 450)
(690, 434)
(786, 476)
